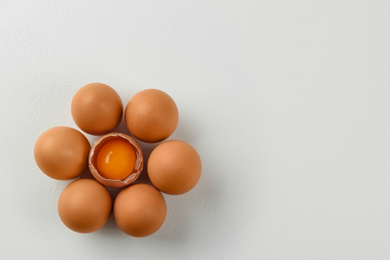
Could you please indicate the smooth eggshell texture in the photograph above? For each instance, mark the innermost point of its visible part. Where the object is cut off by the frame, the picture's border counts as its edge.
(97, 108)
(151, 115)
(139, 163)
(62, 152)
(84, 206)
(140, 210)
(174, 167)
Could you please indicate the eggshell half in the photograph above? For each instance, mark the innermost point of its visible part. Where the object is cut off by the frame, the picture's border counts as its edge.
(139, 163)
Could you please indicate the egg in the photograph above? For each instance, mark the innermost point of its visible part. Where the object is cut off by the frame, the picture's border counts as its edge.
(116, 160)
(97, 109)
(174, 167)
(151, 115)
(62, 152)
(140, 210)
(84, 206)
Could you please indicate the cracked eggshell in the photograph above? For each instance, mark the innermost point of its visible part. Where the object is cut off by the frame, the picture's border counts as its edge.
(93, 154)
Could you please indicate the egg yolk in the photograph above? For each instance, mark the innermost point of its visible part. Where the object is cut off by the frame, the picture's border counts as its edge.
(116, 160)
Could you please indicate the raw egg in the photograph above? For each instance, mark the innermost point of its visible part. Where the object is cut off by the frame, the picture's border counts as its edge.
(97, 109)
(174, 167)
(84, 206)
(151, 115)
(140, 210)
(116, 160)
(62, 152)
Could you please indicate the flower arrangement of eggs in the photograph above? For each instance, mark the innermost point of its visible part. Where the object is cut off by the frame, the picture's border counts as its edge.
(116, 160)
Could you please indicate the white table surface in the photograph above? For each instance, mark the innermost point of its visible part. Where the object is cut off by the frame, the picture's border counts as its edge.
(287, 103)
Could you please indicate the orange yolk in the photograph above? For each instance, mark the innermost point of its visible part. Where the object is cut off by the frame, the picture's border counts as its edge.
(116, 160)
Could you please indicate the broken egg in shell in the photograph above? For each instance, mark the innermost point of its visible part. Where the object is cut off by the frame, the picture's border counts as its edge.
(116, 160)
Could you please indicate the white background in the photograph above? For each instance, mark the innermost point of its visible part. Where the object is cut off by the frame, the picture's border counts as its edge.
(287, 103)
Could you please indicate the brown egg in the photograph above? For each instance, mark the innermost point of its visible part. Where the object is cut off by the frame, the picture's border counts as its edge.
(62, 152)
(116, 160)
(151, 115)
(84, 206)
(140, 210)
(97, 109)
(174, 167)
